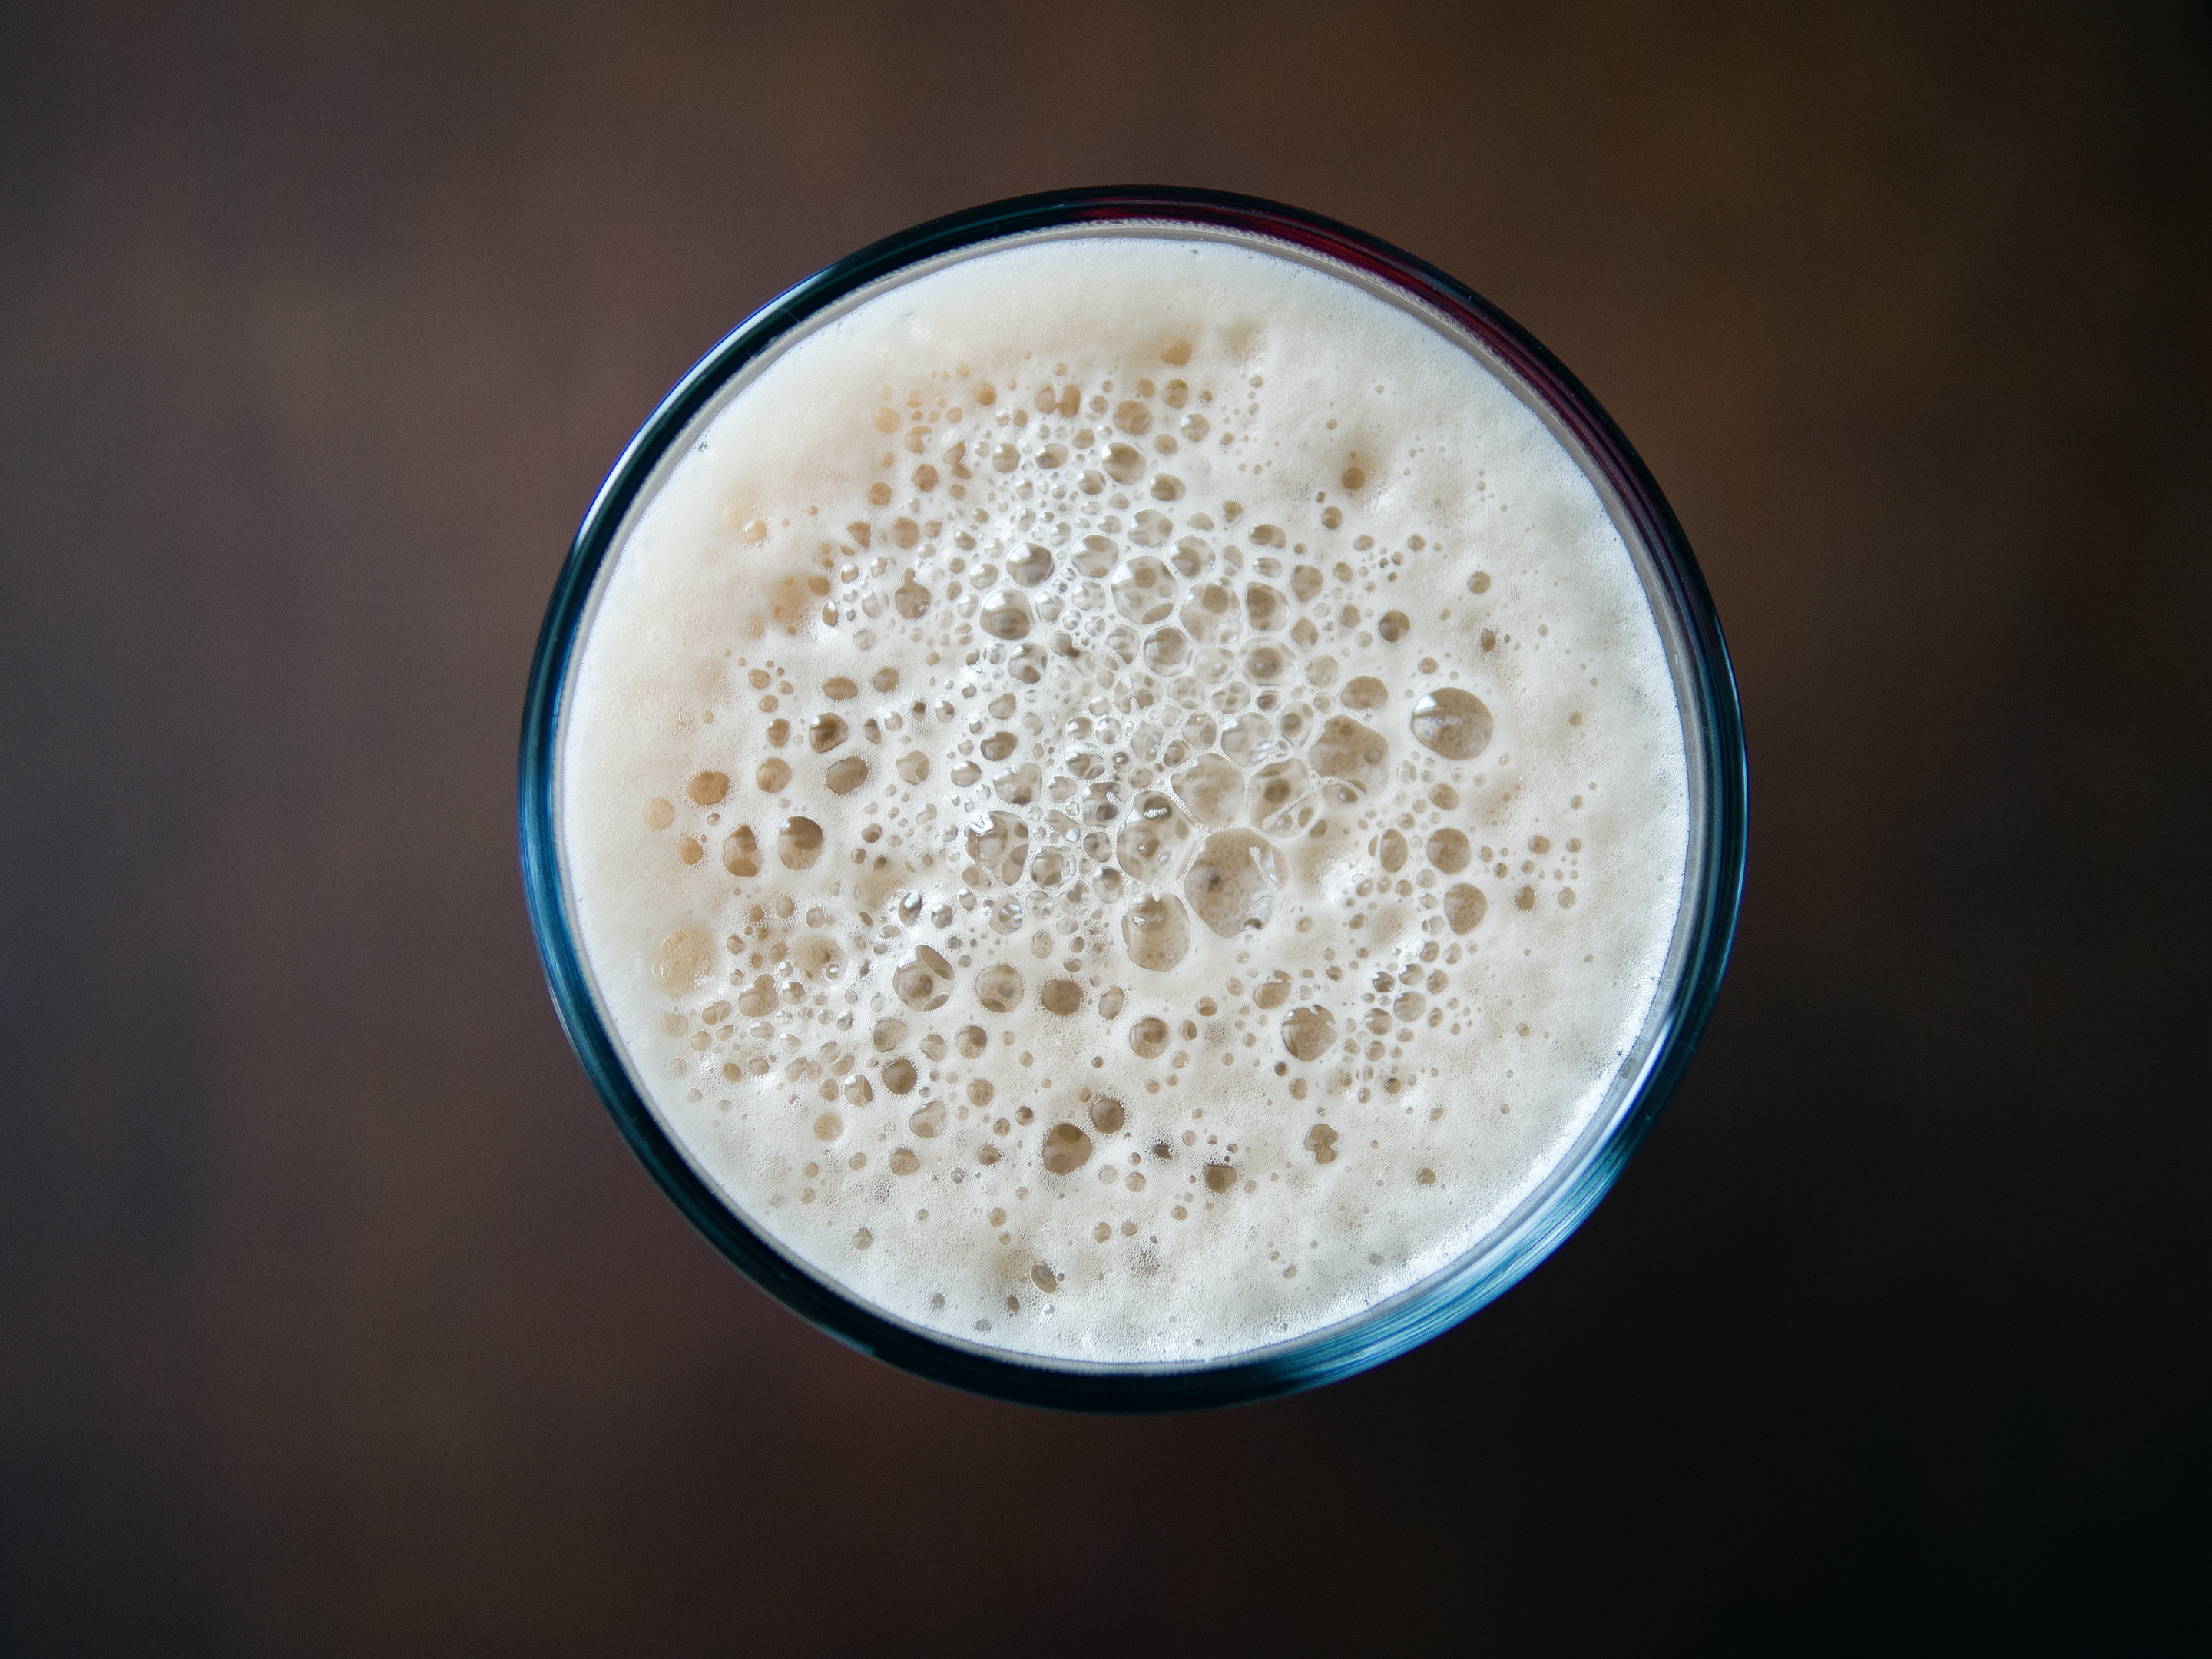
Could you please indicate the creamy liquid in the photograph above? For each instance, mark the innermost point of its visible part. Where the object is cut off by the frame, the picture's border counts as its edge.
(1124, 799)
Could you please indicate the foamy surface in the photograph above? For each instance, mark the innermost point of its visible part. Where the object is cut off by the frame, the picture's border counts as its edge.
(1124, 801)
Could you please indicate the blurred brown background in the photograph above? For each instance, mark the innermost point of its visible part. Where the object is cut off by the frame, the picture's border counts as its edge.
(335, 1318)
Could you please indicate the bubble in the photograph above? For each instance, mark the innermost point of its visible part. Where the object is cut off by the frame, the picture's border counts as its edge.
(1265, 608)
(1133, 417)
(1448, 851)
(839, 689)
(1409, 1006)
(1107, 1116)
(1213, 789)
(758, 998)
(999, 989)
(913, 767)
(903, 1161)
(1066, 1149)
(1165, 649)
(1046, 868)
(1030, 566)
(1392, 850)
(888, 1035)
(899, 1076)
(1321, 1141)
(708, 787)
(772, 775)
(1109, 1002)
(1365, 692)
(1265, 663)
(1479, 582)
(1007, 916)
(1464, 905)
(862, 1239)
(846, 775)
(1235, 882)
(923, 981)
(683, 959)
(1007, 615)
(910, 598)
(1149, 843)
(1155, 932)
(1018, 787)
(1221, 1178)
(658, 813)
(1394, 626)
(1355, 755)
(1124, 462)
(1194, 426)
(1210, 614)
(1190, 558)
(1453, 723)
(799, 843)
(926, 1122)
(1525, 899)
(1306, 581)
(970, 1040)
(999, 842)
(740, 852)
(1144, 589)
(826, 732)
(1096, 555)
(1309, 1032)
(828, 1126)
(1149, 1037)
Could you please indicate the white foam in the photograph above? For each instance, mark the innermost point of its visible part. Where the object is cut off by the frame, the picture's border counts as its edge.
(750, 1006)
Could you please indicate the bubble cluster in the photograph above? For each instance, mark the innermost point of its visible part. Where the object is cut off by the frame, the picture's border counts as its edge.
(1103, 842)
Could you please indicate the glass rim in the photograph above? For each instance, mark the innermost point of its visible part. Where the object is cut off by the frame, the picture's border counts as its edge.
(1713, 875)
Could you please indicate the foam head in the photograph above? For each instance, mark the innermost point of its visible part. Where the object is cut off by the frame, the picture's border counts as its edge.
(1123, 798)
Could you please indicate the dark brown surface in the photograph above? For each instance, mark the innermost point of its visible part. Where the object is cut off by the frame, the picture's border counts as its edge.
(333, 1316)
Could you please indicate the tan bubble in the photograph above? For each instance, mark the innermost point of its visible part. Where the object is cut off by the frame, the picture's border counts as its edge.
(1392, 850)
(1354, 755)
(923, 981)
(926, 1122)
(900, 1076)
(1151, 840)
(828, 1126)
(1352, 477)
(740, 852)
(1566, 898)
(1236, 882)
(1155, 932)
(692, 850)
(1066, 1149)
(1273, 991)
(772, 775)
(658, 813)
(1144, 589)
(999, 842)
(884, 679)
(1213, 789)
(1453, 723)
(1464, 907)
(1005, 615)
(913, 768)
(1479, 582)
(708, 787)
(1394, 626)
(683, 959)
(1306, 580)
(1409, 1006)
(910, 598)
(888, 1035)
(826, 732)
(1221, 1178)
(1321, 1141)
(1133, 417)
(1150, 1036)
(1365, 692)
(1107, 1116)
(1309, 1031)
(1124, 462)
(1060, 996)
(799, 843)
(846, 775)
(999, 988)
(757, 999)
(903, 1161)
(981, 1092)
(970, 1040)
(1448, 851)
